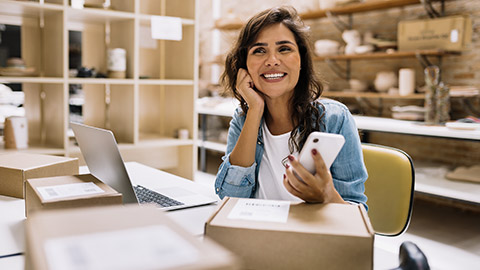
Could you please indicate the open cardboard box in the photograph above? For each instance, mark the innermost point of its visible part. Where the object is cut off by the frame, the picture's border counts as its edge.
(17, 167)
(117, 237)
(283, 235)
(69, 191)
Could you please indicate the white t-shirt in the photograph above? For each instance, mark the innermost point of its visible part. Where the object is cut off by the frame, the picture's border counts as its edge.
(270, 175)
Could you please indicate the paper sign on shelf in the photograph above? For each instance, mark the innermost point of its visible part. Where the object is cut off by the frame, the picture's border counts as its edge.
(260, 210)
(152, 247)
(164, 27)
(68, 190)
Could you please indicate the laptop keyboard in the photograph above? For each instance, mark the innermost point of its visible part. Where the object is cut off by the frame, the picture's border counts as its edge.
(146, 195)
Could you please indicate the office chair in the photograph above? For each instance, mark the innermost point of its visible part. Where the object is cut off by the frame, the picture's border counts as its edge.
(389, 188)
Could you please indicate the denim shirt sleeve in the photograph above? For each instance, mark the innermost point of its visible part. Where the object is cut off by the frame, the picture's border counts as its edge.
(232, 180)
(348, 170)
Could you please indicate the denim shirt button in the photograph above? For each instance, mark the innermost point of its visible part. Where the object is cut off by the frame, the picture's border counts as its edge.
(218, 189)
(259, 142)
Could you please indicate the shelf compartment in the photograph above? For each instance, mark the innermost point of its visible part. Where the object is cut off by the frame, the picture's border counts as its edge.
(160, 116)
(95, 43)
(46, 113)
(177, 64)
(41, 41)
(110, 107)
(184, 9)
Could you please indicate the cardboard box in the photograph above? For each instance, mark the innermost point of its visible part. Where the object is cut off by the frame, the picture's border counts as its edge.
(68, 192)
(265, 235)
(453, 33)
(117, 237)
(17, 167)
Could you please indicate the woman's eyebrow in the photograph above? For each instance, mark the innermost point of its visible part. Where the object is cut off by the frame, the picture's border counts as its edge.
(284, 42)
(281, 42)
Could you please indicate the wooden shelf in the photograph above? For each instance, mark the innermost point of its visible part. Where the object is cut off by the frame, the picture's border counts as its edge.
(27, 9)
(384, 55)
(94, 15)
(345, 94)
(165, 82)
(31, 80)
(358, 7)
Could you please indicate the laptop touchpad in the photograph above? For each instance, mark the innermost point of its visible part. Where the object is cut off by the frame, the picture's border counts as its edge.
(175, 192)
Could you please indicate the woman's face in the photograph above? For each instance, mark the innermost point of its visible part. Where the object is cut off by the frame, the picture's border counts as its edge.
(273, 61)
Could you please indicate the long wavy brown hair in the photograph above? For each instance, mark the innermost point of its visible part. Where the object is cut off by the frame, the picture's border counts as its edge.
(305, 115)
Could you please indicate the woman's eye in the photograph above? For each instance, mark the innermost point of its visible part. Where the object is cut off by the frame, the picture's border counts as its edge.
(258, 51)
(285, 49)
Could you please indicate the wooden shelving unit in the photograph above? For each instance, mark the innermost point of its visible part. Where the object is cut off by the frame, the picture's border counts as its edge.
(358, 7)
(345, 94)
(385, 55)
(144, 110)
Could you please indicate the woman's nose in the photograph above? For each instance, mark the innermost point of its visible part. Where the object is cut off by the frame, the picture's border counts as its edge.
(272, 60)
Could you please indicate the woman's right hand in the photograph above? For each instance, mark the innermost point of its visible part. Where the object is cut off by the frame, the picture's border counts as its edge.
(246, 87)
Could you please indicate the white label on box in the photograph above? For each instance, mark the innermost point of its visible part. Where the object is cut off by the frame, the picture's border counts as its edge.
(152, 247)
(169, 28)
(68, 190)
(454, 36)
(260, 210)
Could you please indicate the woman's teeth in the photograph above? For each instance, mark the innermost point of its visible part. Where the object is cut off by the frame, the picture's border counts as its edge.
(273, 75)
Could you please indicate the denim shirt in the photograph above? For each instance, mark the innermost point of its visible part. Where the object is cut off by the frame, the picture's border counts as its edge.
(348, 170)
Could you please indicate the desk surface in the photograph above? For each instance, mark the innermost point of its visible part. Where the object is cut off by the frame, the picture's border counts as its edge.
(12, 219)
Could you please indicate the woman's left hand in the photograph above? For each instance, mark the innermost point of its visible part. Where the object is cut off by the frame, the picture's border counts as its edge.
(313, 188)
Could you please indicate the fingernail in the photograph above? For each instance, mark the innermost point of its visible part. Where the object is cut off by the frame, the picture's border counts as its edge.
(287, 166)
(284, 176)
(314, 151)
(290, 157)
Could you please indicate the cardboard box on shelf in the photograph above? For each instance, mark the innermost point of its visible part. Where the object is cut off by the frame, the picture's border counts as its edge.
(452, 33)
(283, 235)
(17, 167)
(117, 237)
(70, 191)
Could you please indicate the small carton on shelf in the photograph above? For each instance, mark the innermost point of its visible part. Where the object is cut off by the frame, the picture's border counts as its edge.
(17, 167)
(452, 33)
(285, 235)
(117, 237)
(70, 191)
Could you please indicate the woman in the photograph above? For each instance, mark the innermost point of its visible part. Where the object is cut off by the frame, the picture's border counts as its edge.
(270, 71)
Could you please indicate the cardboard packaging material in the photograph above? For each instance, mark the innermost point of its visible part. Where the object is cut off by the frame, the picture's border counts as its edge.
(453, 33)
(69, 191)
(117, 237)
(15, 133)
(283, 235)
(17, 167)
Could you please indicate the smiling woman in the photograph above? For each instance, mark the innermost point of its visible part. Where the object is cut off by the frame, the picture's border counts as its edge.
(270, 71)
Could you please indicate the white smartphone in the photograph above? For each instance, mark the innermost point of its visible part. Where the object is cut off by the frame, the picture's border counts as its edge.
(327, 144)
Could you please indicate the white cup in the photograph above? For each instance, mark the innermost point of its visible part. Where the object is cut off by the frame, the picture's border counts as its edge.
(183, 134)
(406, 81)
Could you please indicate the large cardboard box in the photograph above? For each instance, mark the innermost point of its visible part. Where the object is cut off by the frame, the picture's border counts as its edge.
(453, 33)
(69, 191)
(117, 237)
(283, 235)
(17, 167)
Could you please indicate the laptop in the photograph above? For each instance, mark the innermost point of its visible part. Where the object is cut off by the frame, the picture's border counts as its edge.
(101, 153)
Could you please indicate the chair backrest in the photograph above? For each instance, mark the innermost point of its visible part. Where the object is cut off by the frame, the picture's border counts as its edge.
(389, 188)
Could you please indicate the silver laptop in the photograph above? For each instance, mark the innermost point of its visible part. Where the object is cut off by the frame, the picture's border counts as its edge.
(101, 153)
